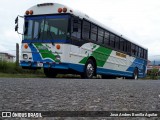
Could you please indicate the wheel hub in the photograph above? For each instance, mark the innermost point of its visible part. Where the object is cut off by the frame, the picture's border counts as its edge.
(90, 70)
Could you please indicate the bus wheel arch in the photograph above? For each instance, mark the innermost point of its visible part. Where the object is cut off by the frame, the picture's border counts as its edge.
(90, 68)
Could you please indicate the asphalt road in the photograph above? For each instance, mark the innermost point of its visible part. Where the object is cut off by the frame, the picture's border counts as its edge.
(42, 94)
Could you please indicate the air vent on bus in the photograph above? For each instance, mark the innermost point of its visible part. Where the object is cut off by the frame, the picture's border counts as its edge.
(44, 4)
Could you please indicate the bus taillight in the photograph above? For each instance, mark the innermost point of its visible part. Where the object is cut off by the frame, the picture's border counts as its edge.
(27, 12)
(64, 10)
(59, 10)
(31, 12)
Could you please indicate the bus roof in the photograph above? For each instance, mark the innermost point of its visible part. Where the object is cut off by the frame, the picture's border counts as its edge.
(56, 8)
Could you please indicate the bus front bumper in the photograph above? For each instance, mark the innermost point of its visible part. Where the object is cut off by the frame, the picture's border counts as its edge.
(31, 64)
(55, 65)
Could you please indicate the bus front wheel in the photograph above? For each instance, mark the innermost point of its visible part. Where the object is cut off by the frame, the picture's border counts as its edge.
(50, 73)
(89, 70)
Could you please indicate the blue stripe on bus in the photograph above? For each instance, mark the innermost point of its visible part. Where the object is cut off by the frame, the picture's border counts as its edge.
(45, 41)
(36, 55)
(113, 72)
(140, 64)
(63, 66)
(77, 67)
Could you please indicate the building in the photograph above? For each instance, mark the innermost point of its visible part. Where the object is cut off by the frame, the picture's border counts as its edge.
(6, 57)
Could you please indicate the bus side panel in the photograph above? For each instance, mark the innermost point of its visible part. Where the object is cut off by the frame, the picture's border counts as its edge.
(116, 64)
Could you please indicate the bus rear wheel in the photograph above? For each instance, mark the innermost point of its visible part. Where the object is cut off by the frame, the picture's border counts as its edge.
(89, 70)
(135, 74)
(50, 73)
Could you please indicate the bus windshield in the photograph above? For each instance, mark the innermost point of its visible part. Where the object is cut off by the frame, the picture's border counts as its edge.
(46, 29)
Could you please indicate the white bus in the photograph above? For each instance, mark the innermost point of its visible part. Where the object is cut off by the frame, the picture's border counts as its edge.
(62, 40)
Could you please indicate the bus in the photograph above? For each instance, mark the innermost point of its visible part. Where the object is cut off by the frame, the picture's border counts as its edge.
(61, 40)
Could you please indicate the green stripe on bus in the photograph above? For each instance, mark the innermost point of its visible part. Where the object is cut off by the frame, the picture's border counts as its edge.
(45, 53)
(101, 54)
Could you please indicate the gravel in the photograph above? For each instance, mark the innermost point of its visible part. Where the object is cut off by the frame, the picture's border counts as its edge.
(43, 94)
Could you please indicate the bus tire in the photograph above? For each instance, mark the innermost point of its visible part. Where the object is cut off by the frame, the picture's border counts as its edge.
(89, 70)
(50, 73)
(135, 74)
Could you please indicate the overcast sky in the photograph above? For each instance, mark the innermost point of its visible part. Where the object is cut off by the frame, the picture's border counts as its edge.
(138, 20)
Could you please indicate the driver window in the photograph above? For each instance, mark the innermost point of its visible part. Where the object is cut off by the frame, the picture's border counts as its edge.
(76, 24)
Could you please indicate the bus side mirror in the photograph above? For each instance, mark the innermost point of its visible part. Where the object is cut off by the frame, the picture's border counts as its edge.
(16, 28)
(16, 24)
(16, 20)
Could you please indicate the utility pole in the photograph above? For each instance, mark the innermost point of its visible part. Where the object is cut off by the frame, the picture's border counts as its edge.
(17, 54)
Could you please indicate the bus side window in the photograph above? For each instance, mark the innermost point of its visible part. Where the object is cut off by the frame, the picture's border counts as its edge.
(76, 28)
(106, 38)
(121, 44)
(100, 35)
(137, 51)
(128, 47)
(93, 32)
(117, 43)
(133, 49)
(85, 29)
(142, 55)
(112, 40)
(125, 46)
(145, 54)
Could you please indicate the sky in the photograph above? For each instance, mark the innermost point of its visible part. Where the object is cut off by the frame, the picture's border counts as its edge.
(138, 20)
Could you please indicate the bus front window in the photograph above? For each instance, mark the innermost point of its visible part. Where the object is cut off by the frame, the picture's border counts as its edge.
(28, 29)
(46, 29)
(55, 29)
(33, 29)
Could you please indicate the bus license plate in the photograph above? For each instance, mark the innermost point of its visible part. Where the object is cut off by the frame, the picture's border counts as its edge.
(40, 64)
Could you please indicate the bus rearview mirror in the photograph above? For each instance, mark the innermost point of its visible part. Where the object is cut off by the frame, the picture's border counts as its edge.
(16, 20)
(16, 28)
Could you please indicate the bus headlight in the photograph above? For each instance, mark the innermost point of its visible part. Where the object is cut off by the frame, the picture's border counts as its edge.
(58, 57)
(25, 56)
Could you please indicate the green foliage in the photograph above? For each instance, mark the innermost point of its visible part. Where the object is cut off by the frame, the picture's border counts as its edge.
(8, 67)
(154, 74)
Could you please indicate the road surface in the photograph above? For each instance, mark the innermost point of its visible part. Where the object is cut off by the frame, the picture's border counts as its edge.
(43, 94)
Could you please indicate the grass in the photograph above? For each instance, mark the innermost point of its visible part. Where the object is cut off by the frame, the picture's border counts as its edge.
(9, 69)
